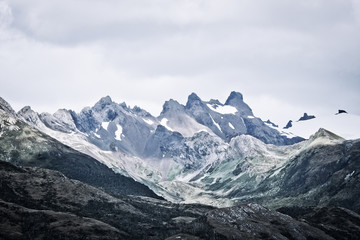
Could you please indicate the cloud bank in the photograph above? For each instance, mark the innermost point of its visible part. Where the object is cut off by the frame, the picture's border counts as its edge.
(286, 57)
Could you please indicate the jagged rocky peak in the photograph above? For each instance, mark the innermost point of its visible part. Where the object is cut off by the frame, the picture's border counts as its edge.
(103, 102)
(271, 123)
(323, 133)
(254, 221)
(288, 125)
(306, 117)
(29, 115)
(26, 110)
(193, 96)
(141, 112)
(192, 99)
(107, 110)
(235, 97)
(172, 106)
(66, 117)
(124, 105)
(62, 113)
(236, 100)
(215, 101)
(340, 111)
(4, 105)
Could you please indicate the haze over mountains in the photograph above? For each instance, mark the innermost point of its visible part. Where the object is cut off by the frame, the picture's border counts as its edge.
(204, 152)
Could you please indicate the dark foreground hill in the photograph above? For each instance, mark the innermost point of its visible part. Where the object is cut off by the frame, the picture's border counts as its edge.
(38, 203)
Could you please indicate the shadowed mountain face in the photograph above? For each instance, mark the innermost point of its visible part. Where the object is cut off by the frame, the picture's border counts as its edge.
(43, 203)
(18, 222)
(337, 222)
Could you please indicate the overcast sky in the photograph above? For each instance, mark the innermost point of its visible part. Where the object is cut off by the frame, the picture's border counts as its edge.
(286, 57)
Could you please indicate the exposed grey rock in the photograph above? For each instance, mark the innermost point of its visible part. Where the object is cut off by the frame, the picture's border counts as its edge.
(236, 99)
(30, 116)
(288, 125)
(271, 123)
(161, 141)
(4, 105)
(18, 222)
(183, 236)
(252, 221)
(341, 111)
(172, 106)
(339, 223)
(306, 117)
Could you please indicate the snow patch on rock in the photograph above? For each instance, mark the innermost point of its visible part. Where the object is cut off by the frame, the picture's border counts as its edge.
(118, 132)
(164, 122)
(222, 109)
(348, 176)
(216, 124)
(105, 125)
(148, 121)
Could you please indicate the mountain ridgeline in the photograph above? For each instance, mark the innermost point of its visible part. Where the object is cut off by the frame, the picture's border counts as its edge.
(115, 172)
(117, 127)
(208, 152)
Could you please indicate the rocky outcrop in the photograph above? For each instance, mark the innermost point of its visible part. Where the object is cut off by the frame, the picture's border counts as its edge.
(5, 106)
(252, 221)
(340, 223)
(340, 111)
(288, 125)
(306, 117)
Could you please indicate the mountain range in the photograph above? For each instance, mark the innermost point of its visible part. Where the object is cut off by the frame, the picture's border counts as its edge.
(203, 152)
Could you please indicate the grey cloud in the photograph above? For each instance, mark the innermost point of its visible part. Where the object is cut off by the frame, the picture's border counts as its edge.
(144, 52)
